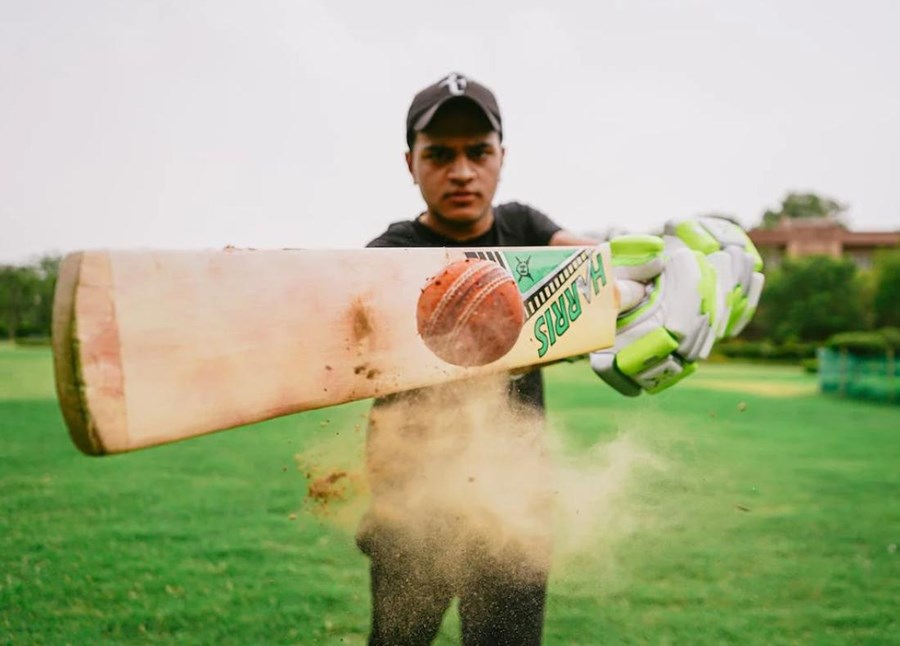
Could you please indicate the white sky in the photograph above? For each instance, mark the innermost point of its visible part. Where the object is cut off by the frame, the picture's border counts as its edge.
(189, 123)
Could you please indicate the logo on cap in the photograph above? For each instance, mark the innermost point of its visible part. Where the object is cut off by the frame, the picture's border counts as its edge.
(455, 83)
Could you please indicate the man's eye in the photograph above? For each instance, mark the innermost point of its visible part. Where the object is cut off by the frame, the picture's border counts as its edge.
(440, 156)
(478, 153)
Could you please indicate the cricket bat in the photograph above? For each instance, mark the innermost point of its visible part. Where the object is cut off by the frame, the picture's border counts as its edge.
(153, 347)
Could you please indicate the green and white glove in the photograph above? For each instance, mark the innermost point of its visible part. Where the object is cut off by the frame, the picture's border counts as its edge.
(700, 282)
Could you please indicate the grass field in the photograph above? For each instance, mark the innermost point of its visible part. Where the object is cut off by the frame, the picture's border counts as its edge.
(763, 514)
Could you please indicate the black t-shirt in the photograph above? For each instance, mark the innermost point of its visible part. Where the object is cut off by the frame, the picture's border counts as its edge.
(515, 225)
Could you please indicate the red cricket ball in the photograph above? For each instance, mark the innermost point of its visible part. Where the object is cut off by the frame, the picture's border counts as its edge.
(471, 313)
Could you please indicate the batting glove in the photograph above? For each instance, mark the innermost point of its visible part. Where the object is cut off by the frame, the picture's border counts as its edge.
(699, 282)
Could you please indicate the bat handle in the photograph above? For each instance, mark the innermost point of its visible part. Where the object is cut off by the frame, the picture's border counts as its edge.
(631, 293)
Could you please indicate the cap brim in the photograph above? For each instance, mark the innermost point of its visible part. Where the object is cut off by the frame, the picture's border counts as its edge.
(426, 117)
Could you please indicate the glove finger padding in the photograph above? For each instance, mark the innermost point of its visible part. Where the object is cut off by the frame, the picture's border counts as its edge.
(736, 260)
(745, 308)
(637, 257)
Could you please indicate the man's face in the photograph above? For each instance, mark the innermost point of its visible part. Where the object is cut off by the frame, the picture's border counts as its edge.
(456, 163)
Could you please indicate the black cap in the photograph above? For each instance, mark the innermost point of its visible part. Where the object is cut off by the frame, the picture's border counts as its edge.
(427, 102)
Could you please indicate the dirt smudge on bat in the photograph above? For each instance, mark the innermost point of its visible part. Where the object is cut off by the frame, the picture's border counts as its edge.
(360, 320)
(360, 337)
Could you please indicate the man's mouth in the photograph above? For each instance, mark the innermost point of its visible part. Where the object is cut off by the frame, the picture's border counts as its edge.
(462, 196)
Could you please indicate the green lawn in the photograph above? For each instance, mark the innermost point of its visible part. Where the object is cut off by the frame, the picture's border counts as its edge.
(739, 507)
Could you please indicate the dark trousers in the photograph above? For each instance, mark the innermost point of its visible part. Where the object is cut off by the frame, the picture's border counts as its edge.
(500, 603)
(461, 508)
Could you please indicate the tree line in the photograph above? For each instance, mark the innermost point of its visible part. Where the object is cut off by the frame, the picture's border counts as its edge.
(811, 299)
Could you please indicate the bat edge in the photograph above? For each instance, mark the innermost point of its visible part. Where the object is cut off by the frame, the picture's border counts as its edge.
(85, 276)
(69, 383)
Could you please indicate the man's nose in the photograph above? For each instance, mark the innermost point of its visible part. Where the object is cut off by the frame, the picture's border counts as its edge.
(462, 169)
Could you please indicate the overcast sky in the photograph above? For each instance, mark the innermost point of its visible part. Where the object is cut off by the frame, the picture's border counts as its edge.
(190, 123)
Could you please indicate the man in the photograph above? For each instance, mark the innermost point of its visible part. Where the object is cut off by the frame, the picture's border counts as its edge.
(427, 544)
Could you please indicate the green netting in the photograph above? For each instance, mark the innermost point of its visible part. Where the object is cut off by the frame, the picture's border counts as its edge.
(872, 377)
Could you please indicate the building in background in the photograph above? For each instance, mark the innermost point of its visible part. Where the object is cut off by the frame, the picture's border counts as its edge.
(796, 238)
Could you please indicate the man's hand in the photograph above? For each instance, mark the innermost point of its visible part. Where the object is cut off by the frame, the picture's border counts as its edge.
(698, 283)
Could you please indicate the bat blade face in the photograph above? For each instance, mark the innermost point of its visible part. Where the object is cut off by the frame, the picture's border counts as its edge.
(158, 346)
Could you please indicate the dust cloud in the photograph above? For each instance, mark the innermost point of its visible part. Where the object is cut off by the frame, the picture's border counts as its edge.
(459, 470)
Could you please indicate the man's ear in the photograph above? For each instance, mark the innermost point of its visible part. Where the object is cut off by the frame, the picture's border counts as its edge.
(409, 165)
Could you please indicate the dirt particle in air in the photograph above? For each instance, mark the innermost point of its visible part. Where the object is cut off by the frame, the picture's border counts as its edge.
(327, 488)
(358, 370)
(372, 373)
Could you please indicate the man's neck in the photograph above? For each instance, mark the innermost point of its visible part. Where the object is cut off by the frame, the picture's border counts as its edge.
(460, 232)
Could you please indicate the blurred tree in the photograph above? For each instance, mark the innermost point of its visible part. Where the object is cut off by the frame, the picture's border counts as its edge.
(46, 271)
(16, 294)
(886, 297)
(26, 297)
(810, 299)
(797, 206)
